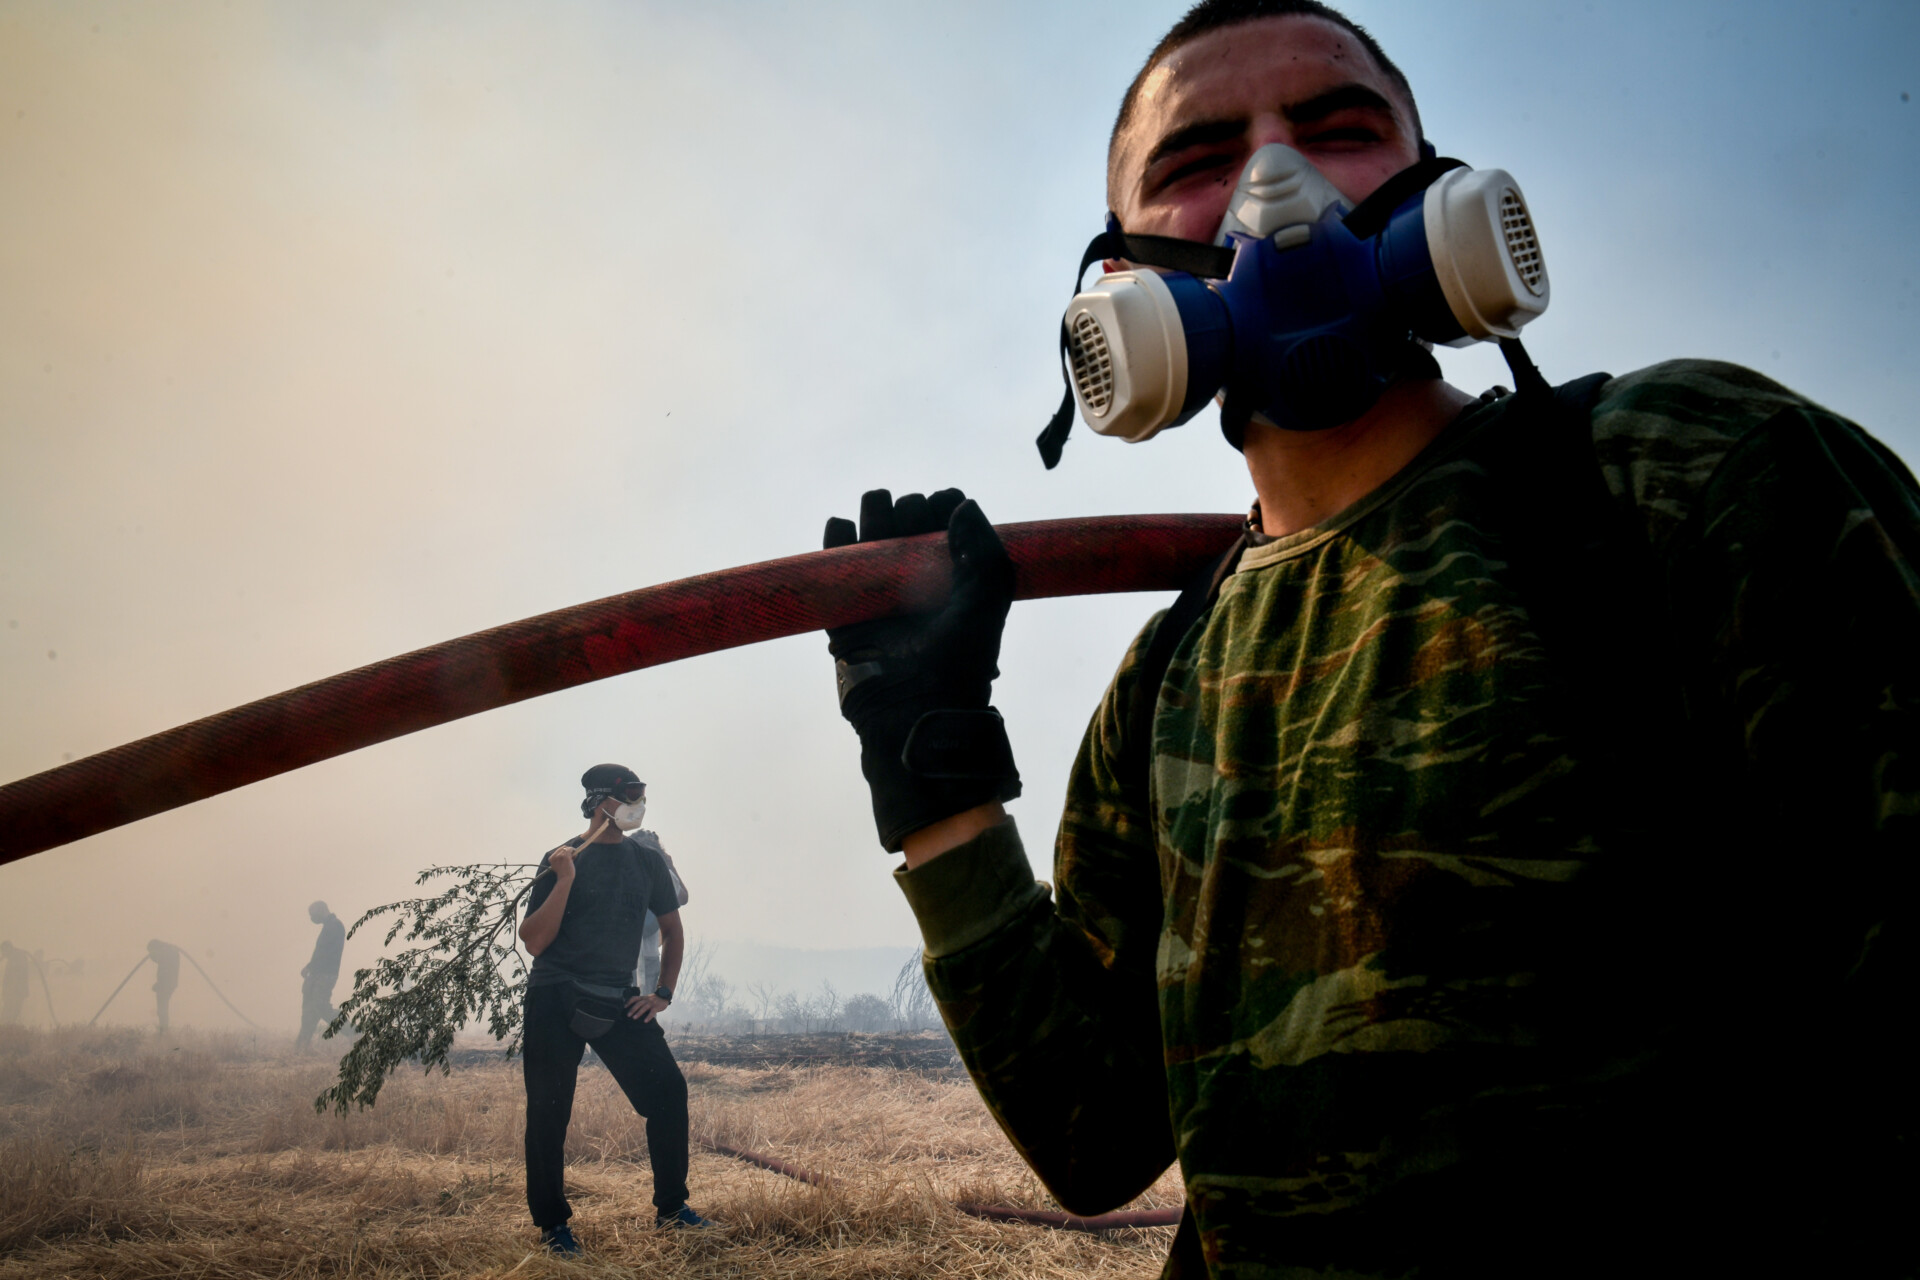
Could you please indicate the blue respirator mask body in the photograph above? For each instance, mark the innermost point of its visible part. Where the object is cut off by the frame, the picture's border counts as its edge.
(1304, 308)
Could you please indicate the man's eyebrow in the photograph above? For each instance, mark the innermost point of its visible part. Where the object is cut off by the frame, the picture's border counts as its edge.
(1348, 97)
(1204, 134)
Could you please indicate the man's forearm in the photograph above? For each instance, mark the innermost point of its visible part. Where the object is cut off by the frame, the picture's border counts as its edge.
(1065, 1052)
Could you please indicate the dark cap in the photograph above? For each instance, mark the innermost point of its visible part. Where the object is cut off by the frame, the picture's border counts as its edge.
(605, 780)
(605, 777)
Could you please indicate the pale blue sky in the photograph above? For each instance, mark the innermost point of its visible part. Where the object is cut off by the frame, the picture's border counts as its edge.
(331, 331)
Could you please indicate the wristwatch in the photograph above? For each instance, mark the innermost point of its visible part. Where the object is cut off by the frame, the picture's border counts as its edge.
(664, 992)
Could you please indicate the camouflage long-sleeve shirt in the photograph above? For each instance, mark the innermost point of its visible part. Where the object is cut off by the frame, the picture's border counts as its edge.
(1408, 981)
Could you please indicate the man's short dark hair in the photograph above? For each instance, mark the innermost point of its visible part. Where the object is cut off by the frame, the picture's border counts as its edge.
(1212, 15)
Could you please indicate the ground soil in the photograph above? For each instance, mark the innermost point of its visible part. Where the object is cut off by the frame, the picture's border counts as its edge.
(927, 1053)
(125, 1155)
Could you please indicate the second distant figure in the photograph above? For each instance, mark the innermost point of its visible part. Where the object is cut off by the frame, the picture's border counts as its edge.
(166, 962)
(321, 972)
(13, 985)
(646, 974)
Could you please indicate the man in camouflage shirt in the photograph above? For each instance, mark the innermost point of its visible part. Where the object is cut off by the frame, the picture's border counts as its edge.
(1483, 903)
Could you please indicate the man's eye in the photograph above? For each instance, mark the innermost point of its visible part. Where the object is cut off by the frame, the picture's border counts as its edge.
(1353, 134)
(1205, 164)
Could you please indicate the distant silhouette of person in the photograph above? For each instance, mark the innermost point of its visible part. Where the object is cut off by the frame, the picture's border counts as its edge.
(13, 986)
(317, 979)
(166, 961)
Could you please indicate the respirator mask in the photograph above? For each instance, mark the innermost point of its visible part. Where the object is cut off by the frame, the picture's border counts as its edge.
(1304, 308)
(628, 817)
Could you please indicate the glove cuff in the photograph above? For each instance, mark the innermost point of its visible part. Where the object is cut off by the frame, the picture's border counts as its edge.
(951, 761)
(952, 745)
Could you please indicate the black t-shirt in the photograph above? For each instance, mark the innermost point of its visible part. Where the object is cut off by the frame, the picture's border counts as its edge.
(614, 886)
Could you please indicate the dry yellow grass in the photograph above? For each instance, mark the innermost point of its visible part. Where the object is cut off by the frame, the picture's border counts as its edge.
(126, 1156)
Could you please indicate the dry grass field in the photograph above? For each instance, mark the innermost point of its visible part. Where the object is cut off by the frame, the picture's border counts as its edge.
(124, 1155)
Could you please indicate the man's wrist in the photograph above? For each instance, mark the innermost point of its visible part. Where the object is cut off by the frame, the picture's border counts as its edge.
(951, 832)
(974, 891)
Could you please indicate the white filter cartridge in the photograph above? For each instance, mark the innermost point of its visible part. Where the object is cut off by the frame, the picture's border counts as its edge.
(1128, 355)
(1485, 252)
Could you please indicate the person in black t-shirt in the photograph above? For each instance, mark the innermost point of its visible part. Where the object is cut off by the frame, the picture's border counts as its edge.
(583, 926)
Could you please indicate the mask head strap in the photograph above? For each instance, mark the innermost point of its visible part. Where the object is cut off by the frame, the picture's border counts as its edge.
(1208, 261)
(1369, 218)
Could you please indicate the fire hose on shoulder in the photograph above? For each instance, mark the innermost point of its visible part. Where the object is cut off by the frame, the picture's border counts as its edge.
(574, 646)
(588, 642)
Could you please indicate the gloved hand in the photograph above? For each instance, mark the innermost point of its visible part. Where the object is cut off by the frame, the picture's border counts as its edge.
(915, 687)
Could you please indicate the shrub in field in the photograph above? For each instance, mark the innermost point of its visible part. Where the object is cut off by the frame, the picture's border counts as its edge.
(867, 1013)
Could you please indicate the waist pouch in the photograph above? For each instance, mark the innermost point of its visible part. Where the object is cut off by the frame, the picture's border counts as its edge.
(594, 1010)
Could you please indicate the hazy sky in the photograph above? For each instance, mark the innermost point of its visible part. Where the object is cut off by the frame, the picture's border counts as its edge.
(330, 331)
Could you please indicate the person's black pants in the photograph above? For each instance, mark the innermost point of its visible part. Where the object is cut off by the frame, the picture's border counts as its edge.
(636, 1053)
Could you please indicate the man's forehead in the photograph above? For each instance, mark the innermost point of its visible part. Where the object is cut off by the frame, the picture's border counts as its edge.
(1261, 65)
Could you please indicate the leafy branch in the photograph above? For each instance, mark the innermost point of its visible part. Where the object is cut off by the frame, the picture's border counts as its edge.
(463, 964)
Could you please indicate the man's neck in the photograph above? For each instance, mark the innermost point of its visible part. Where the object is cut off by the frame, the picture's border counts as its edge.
(1303, 477)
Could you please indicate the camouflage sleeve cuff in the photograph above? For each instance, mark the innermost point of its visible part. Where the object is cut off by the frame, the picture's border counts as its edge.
(971, 891)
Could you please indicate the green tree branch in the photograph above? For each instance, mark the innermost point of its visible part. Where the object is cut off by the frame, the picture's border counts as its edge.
(408, 1006)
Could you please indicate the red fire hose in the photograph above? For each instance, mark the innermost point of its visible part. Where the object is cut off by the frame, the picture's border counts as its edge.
(573, 646)
(1118, 1220)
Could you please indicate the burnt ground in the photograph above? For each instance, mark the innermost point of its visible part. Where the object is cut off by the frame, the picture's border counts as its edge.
(928, 1053)
(925, 1053)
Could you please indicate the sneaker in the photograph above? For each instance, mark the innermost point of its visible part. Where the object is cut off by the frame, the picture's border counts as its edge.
(560, 1240)
(683, 1217)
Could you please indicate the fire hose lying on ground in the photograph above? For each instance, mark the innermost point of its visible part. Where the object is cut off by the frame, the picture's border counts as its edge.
(188, 956)
(1119, 1220)
(569, 647)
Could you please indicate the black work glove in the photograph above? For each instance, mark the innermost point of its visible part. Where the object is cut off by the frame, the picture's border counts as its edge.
(915, 687)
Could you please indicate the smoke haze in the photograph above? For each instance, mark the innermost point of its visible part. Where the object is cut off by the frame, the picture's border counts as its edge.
(328, 332)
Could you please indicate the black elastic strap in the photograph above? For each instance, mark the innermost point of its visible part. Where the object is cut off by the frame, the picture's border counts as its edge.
(1528, 380)
(1209, 261)
(1195, 257)
(1370, 216)
(1194, 600)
